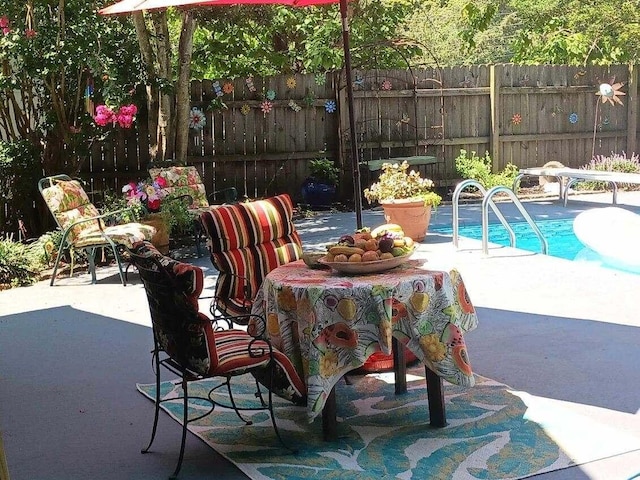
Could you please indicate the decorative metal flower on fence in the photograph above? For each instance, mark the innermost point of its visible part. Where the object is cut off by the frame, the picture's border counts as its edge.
(270, 95)
(320, 79)
(291, 83)
(294, 106)
(610, 93)
(573, 118)
(227, 87)
(197, 120)
(266, 106)
(386, 85)
(245, 109)
(516, 119)
(250, 85)
(330, 106)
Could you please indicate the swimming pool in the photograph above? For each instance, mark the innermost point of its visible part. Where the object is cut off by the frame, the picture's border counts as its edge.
(561, 239)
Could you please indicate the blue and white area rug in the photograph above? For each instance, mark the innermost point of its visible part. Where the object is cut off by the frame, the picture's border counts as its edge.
(493, 432)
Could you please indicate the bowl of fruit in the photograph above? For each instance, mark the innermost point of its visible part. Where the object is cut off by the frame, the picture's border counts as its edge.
(370, 251)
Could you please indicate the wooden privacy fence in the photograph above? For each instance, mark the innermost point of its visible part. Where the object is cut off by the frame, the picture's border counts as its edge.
(261, 133)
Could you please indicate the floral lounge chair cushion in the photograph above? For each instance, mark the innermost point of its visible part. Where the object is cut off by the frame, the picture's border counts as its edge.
(188, 335)
(183, 181)
(246, 241)
(69, 204)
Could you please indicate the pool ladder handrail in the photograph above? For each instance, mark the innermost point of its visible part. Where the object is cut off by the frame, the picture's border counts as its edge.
(487, 201)
(456, 216)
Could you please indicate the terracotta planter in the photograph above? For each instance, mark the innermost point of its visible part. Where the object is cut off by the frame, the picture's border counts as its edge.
(161, 238)
(412, 216)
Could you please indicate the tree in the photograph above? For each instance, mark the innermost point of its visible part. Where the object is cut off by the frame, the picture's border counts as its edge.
(51, 53)
(570, 32)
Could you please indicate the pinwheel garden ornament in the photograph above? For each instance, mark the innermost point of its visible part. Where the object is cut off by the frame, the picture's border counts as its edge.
(610, 93)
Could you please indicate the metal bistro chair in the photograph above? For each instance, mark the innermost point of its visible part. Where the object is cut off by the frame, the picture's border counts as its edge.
(84, 227)
(195, 347)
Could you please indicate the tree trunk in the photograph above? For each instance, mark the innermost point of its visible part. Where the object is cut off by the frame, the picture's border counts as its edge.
(185, 51)
(146, 51)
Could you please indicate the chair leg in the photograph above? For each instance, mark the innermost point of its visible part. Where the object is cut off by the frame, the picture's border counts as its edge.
(157, 402)
(92, 264)
(271, 413)
(185, 419)
(197, 235)
(233, 403)
(55, 265)
(116, 254)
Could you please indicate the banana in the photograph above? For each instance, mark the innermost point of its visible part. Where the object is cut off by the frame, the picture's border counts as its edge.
(341, 249)
(387, 227)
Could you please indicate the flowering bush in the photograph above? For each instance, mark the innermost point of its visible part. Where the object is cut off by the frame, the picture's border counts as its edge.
(147, 193)
(124, 116)
(395, 183)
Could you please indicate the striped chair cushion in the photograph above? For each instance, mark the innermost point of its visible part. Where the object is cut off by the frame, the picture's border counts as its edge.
(249, 240)
(231, 347)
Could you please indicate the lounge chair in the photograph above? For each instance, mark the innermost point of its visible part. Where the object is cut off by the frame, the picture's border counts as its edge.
(83, 226)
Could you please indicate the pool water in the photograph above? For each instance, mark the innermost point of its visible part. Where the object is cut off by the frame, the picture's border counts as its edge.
(561, 240)
(559, 234)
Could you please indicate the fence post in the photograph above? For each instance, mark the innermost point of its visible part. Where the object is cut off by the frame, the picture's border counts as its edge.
(632, 109)
(495, 73)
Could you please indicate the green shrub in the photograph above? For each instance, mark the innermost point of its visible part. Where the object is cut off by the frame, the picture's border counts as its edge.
(479, 168)
(176, 214)
(611, 163)
(21, 263)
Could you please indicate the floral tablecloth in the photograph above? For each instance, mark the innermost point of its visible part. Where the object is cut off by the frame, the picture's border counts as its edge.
(328, 323)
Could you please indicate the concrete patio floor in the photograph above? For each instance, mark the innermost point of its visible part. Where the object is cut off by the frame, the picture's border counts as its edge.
(70, 355)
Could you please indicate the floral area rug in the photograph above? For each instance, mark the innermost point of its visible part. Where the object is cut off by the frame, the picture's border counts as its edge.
(493, 432)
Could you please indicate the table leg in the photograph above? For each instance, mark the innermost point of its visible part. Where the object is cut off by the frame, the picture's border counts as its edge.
(329, 421)
(435, 395)
(399, 366)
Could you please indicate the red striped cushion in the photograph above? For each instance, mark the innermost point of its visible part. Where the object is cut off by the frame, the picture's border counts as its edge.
(249, 239)
(229, 356)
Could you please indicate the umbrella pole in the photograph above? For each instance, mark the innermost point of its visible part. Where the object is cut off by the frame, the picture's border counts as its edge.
(355, 160)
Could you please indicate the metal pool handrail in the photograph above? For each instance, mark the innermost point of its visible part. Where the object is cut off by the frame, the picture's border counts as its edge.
(487, 200)
(455, 204)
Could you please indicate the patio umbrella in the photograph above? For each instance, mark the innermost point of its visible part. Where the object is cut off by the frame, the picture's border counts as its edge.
(126, 6)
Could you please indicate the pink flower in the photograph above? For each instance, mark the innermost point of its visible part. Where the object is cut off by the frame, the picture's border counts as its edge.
(30, 33)
(4, 22)
(125, 121)
(6, 30)
(130, 110)
(104, 116)
(125, 116)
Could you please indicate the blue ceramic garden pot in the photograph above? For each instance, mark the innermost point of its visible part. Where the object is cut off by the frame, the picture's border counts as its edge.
(318, 194)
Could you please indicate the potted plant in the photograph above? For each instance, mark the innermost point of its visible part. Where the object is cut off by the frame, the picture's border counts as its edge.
(406, 198)
(319, 189)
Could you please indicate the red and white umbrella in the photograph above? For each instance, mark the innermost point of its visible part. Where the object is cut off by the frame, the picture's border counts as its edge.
(127, 6)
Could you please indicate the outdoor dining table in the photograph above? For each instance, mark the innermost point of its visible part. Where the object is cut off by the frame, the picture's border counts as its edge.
(329, 323)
